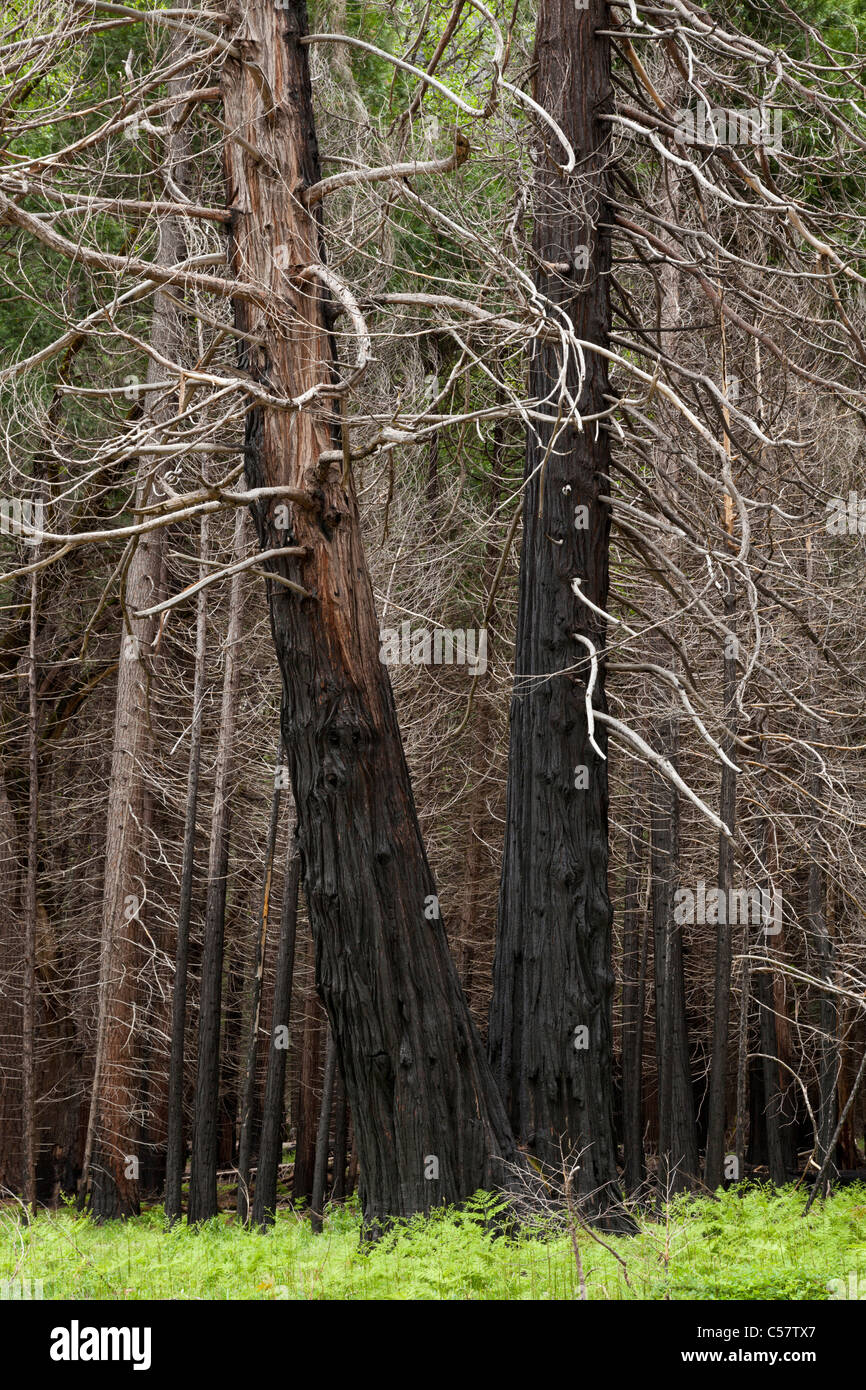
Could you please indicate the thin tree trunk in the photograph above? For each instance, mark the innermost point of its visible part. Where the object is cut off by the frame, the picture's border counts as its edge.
(320, 1172)
(341, 1140)
(678, 1149)
(12, 923)
(248, 1093)
(415, 1070)
(742, 1061)
(828, 1063)
(306, 1115)
(270, 1146)
(822, 944)
(718, 1087)
(28, 1061)
(632, 1014)
(110, 1167)
(175, 1146)
(550, 1034)
(769, 1048)
(203, 1173)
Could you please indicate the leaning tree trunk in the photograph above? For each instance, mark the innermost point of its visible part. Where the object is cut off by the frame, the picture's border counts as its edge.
(550, 1019)
(429, 1123)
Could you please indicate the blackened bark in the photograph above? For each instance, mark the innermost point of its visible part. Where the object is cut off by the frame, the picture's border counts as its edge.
(770, 1116)
(270, 1145)
(771, 1091)
(718, 1087)
(203, 1179)
(248, 1094)
(633, 975)
(323, 1135)
(341, 1141)
(28, 1060)
(415, 1071)
(306, 1112)
(175, 1146)
(828, 1064)
(552, 972)
(678, 1149)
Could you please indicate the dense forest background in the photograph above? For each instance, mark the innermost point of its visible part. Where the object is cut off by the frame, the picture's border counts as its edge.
(587, 360)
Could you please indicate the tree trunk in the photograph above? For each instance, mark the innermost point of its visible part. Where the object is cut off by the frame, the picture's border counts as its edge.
(633, 940)
(248, 1095)
(12, 922)
(28, 1060)
(828, 1064)
(718, 1087)
(550, 1019)
(270, 1146)
(110, 1160)
(320, 1173)
(770, 1111)
(306, 1113)
(414, 1067)
(341, 1141)
(175, 1147)
(678, 1149)
(203, 1172)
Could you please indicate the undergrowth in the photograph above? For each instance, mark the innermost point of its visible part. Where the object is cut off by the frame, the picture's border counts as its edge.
(751, 1244)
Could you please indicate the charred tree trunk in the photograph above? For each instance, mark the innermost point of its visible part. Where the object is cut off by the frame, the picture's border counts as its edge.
(341, 1141)
(11, 999)
(270, 1146)
(718, 1087)
(248, 1094)
(28, 1059)
(828, 1064)
(203, 1172)
(306, 1115)
(414, 1067)
(633, 974)
(323, 1136)
(678, 1149)
(550, 1019)
(175, 1146)
(770, 1115)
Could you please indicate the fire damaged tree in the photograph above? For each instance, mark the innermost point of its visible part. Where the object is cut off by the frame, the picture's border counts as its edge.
(205, 1135)
(550, 1020)
(429, 1124)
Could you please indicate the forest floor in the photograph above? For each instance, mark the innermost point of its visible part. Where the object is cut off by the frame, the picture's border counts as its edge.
(749, 1245)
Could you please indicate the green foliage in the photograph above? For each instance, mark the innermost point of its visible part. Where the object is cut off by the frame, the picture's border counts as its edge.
(751, 1245)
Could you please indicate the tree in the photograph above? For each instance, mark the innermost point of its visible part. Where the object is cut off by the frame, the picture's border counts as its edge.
(429, 1123)
(550, 1021)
